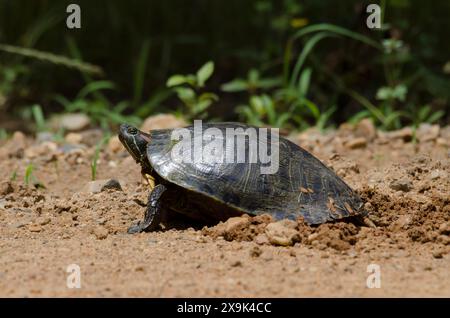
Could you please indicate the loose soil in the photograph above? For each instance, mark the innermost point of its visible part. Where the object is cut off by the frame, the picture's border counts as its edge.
(404, 181)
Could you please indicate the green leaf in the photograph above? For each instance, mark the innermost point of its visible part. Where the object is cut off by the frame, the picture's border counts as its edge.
(387, 93)
(253, 76)
(201, 106)
(270, 109)
(266, 83)
(313, 108)
(384, 93)
(94, 87)
(435, 117)
(13, 175)
(340, 31)
(303, 84)
(153, 102)
(359, 116)
(185, 93)
(204, 73)
(257, 105)
(423, 113)
(62, 100)
(208, 96)
(324, 117)
(121, 106)
(38, 117)
(237, 85)
(391, 118)
(28, 173)
(400, 92)
(282, 119)
(308, 47)
(176, 80)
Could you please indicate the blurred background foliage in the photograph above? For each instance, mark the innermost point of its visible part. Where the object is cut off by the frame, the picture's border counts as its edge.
(286, 63)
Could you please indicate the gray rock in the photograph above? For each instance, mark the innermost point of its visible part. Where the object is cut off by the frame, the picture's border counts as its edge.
(91, 137)
(438, 174)
(98, 186)
(427, 132)
(403, 184)
(44, 136)
(19, 224)
(74, 121)
(2, 203)
(69, 148)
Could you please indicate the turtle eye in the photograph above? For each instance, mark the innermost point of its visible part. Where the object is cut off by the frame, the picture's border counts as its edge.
(132, 130)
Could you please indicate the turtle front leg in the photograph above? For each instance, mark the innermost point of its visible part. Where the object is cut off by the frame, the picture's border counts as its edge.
(153, 212)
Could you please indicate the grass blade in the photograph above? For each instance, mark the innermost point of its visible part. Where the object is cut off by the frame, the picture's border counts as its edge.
(139, 73)
(304, 54)
(52, 58)
(94, 87)
(331, 28)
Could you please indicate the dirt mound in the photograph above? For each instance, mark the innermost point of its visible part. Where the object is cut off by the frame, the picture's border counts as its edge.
(411, 201)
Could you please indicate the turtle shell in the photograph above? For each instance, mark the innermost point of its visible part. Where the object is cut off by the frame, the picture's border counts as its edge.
(302, 185)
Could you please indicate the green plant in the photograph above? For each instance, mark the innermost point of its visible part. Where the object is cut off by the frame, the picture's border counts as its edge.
(100, 110)
(282, 105)
(30, 177)
(28, 173)
(187, 87)
(150, 106)
(423, 115)
(141, 109)
(393, 55)
(94, 160)
(261, 111)
(251, 84)
(39, 119)
(13, 175)
(426, 115)
(323, 119)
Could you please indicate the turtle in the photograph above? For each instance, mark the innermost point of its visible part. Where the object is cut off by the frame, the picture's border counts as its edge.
(213, 191)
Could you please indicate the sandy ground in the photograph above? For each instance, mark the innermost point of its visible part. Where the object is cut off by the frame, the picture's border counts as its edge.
(404, 182)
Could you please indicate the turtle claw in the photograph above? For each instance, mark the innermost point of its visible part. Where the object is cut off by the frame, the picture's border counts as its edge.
(137, 228)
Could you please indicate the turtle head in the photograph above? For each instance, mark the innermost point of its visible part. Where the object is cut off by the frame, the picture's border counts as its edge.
(135, 141)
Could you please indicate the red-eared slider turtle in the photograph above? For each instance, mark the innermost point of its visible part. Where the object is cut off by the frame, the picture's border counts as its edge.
(212, 191)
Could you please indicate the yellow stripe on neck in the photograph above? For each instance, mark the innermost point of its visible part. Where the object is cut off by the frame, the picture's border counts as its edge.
(151, 181)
